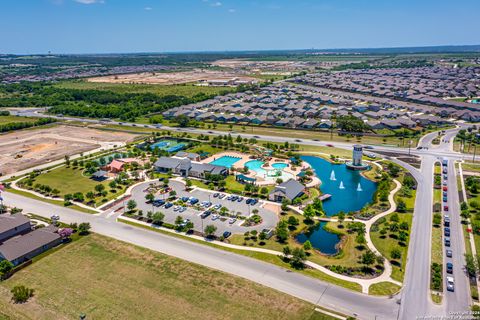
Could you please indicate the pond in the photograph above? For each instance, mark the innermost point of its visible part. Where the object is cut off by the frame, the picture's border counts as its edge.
(322, 240)
(349, 189)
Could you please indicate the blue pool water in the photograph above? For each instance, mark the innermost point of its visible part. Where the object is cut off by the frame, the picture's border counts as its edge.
(226, 161)
(320, 239)
(347, 199)
(256, 165)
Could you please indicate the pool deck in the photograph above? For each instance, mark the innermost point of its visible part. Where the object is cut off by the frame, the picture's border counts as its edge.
(244, 158)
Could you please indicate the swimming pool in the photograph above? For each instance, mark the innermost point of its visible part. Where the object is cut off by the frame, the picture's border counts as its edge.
(226, 161)
(272, 174)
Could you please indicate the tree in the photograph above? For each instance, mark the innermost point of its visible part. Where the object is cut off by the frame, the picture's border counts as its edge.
(286, 252)
(396, 254)
(21, 294)
(149, 197)
(157, 218)
(112, 184)
(307, 245)
(293, 221)
(368, 258)
(99, 188)
(178, 220)
(5, 267)
(309, 212)
(401, 206)
(188, 183)
(298, 258)
(210, 230)
(84, 228)
(131, 205)
(341, 217)
(471, 265)
(90, 195)
(281, 231)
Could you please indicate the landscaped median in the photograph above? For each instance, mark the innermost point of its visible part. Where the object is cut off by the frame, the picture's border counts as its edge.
(436, 268)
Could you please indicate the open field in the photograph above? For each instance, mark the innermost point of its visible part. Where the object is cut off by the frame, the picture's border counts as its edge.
(104, 278)
(161, 90)
(167, 78)
(28, 148)
(11, 119)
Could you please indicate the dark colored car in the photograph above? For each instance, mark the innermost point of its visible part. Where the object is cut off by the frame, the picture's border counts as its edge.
(227, 234)
(205, 214)
(216, 194)
(168, 205)
(184, 199)
(447, 242)
(446, 232)
(449, 267)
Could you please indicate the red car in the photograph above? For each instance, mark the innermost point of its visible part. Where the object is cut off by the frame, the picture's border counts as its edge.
(330, 145)
(445, 188)
(445, 208)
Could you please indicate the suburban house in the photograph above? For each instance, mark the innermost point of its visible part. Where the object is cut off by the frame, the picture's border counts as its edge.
(188, 168)
(13, 225)
(22, 248)
(289, 190)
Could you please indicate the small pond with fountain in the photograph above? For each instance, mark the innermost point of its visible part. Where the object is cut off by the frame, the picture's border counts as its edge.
(349, 191)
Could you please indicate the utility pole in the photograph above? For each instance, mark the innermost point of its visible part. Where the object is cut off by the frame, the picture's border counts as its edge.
(409, 146)
(474, 151)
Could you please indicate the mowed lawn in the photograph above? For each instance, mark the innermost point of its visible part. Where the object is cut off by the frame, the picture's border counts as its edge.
(69, 180)
(186, 90)
(108, 279)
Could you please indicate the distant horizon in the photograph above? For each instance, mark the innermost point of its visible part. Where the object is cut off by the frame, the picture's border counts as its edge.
(110, 26)
(475, 48)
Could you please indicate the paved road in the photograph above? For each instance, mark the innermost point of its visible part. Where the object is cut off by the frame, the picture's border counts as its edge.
(303, 287)
(415, 295)
(460, 298)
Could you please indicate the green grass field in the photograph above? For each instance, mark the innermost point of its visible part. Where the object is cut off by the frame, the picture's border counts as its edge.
(108, 279)
(386, 243)
(186, 90)
(383, 289)
(12, 119)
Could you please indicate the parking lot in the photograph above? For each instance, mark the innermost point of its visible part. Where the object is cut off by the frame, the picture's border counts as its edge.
(194, 212)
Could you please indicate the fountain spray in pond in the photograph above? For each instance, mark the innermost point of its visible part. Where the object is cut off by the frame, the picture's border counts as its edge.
(341, 185)
(332, 176)
(359, 187)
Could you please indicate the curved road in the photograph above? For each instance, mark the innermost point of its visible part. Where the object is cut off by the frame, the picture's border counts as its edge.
(303, 287)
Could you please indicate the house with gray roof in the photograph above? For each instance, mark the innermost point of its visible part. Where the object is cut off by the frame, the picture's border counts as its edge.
(289, 190)
(188, 168)
(13, 225)
(25, 247)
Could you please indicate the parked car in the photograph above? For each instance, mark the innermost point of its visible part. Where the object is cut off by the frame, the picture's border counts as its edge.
(447, 242)
(450, 284)
(444, 199)
(445, 208)
(227, 234)
(215, 216)
(176, 208)
(184, 199)
(193, 200)
(205, 214)
(217, 206)
(168, 205)
(449, 253)
(221, 196)
(449, 267)
(234, 198)
(232, 220)
(445, 177)
(240, 199)
(248, 201)
(330, 145)
(216, 194)
(182, 209)
(229, 197)
(446, 232)
(446, 222)
(445, 193)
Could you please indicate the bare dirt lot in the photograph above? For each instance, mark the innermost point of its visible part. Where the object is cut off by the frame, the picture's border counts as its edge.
(168, 78)
(28, 148)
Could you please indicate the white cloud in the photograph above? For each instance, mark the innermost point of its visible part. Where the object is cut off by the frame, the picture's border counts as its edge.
(89, 1)
(148, 8)
(232, 10)
(216, 4)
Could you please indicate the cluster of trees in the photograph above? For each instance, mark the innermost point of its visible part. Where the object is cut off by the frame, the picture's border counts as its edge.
(92, 103)
(10, 126)
(350, 123)
(394, 229)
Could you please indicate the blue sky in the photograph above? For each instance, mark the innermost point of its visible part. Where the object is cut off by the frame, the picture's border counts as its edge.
(103, 26)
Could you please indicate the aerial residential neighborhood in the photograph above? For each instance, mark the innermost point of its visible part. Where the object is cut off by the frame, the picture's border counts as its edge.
(199, 159)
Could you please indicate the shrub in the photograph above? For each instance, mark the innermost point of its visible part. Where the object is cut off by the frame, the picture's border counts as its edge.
(21, 294)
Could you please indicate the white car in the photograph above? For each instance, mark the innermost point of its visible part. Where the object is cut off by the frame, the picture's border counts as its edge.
(232, 220)
(176, 208)
(450, 284)
(215, 217)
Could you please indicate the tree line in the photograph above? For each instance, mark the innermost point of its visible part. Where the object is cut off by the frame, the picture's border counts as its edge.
(22, 125)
